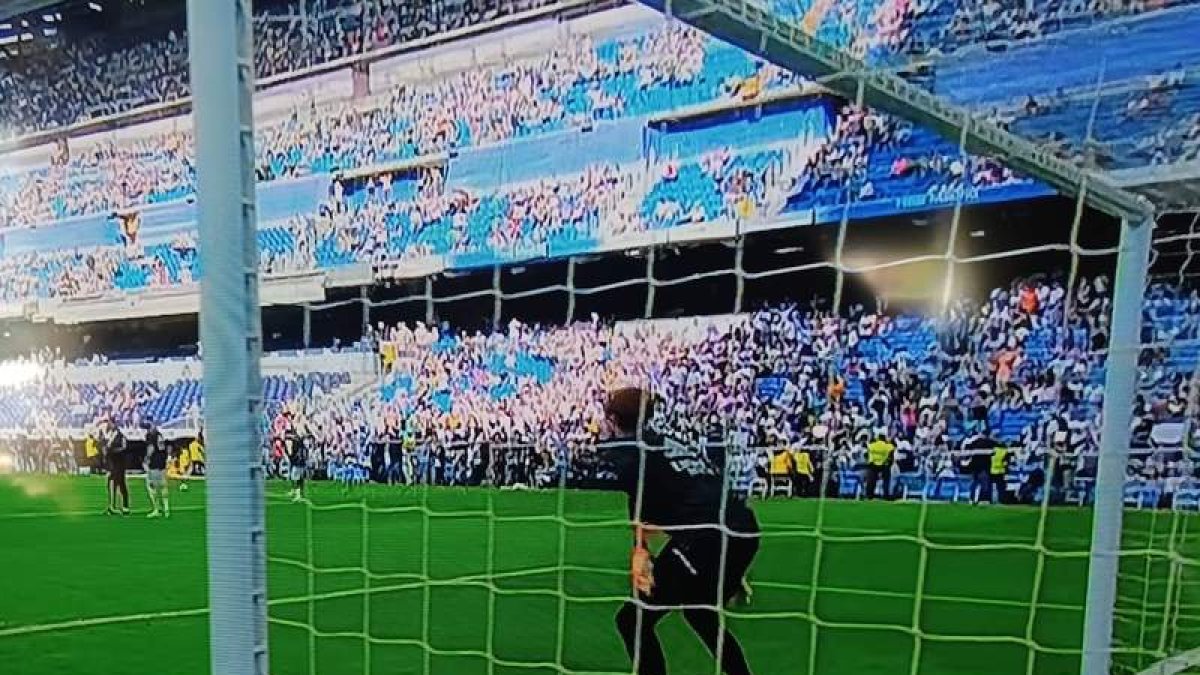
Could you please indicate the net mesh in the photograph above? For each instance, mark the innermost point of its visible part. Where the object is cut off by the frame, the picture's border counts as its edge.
(543, 572)
(462, 580)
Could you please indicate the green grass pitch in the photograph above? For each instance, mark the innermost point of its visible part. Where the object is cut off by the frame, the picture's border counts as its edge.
(82, 593)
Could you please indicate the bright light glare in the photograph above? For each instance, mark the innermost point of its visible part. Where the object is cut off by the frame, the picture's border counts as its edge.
(17, 373)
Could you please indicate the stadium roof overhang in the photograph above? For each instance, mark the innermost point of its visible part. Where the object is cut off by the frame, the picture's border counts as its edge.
(749, 25)
(12, 8)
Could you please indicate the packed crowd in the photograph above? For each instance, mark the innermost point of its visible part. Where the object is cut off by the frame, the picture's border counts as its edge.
(571, 85)
(1022, 366)
(285, 246)
(395, 216)
(868, 29)
(1023, 369)
(577, 81)
(382, 220)
(99, 178)
(870, 155)
(74, 79)
(92, 272)
(44, 397)
(574, 83)
(97, 76)
(843, 159)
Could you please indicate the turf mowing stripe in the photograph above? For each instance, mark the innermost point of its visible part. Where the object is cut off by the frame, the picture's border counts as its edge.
(90, 512)
(483, 579)
(854, 534)
(471, 579)
(436, 651)
(880, 534)
(272, 500)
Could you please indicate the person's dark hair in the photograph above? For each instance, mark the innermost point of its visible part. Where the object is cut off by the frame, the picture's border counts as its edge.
(627, 407)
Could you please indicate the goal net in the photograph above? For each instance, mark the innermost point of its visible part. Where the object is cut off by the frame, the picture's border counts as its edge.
(898, 354)
(971, 339)
(1155, 627)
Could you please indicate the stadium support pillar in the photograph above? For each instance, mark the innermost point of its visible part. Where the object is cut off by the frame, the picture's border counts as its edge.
(1120, 380)
(307, 326)
(364, 296)
(222, 71)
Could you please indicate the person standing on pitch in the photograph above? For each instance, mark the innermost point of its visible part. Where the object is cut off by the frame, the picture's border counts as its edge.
(191, 460)
(297, 452)
(155, 464)
(116, 450)
(680, 491)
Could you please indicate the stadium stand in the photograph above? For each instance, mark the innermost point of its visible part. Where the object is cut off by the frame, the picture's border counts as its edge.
(1013, 368)
(79, 78)
(889, 31)
(621, 77)
(1148, 100)
(946, 26)
(677, 129)
(633, 75)
(1018, 368)
(780, 166)
(558, 180)
(48, 395)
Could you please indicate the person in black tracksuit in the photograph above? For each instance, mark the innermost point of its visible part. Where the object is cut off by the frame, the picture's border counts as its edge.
(713, 537)
(297, 449)
(116, 452)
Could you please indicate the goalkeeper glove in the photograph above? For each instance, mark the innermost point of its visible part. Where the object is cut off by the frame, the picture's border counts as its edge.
(642, 570)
